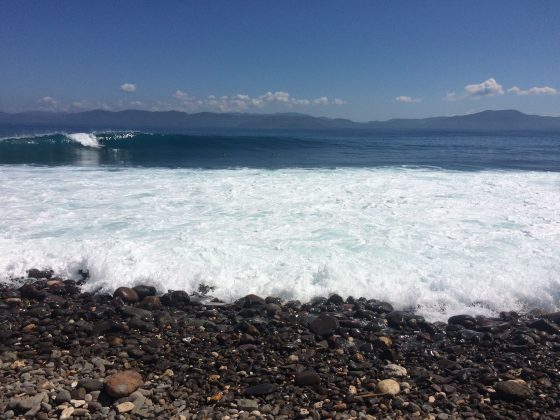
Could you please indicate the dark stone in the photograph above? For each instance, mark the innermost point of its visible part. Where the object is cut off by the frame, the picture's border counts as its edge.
(175, 298)
(141, 325)
(150, 303)
(78, 393)
(252, 300)
(260, 389)
(29, 291)
(273, 299)
(396, 319)
(324, 325)
(466, 321)
(127, 294)
(35, 273)
(91, 384)
(336, 299)
(142, 291)
(379, 306)
(62, 396)
(54, 301)
(512, 390)
(40, 311)
(544, 325)
(307, 377)
(136, 312)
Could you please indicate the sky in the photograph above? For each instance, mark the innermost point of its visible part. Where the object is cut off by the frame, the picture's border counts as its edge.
(363, 60)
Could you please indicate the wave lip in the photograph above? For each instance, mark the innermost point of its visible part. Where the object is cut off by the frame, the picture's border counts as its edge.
(85, 139)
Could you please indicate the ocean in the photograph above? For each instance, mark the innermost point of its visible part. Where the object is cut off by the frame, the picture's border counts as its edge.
(438, 223)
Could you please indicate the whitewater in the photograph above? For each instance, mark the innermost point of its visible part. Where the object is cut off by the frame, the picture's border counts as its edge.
(438, 241)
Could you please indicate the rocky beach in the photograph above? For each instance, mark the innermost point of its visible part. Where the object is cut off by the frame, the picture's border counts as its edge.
(136, 353)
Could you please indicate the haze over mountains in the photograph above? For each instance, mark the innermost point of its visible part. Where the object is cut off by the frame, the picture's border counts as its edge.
(503, 120)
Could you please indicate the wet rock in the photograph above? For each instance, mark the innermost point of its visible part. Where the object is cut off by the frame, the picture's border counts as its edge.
(123, 384)
(512, 390)
(29, 291)
(251, 301)
(396, 319)
(175, 298)
(336, 299)
(324, 325)
(151, 303)
(127, 294)
(142, 291)
(466, 321)
(35, 273)
(544, 325)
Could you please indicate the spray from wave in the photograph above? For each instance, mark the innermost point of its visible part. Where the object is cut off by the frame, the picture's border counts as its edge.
(85, 139)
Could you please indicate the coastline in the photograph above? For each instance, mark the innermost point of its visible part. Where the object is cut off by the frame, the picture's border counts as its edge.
(63, 353)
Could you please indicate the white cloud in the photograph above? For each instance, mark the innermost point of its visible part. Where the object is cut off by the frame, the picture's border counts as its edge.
(487, 88)
(244, 102)
(323, 100)
(128, 87)
(179, 94)
(407, 99)
(536, 90)
(450, 96)
(48, 101)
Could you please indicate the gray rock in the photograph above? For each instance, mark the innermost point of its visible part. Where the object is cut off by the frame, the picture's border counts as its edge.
(247, 405)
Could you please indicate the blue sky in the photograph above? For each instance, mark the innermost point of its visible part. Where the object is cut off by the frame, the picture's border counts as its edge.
(364, 60)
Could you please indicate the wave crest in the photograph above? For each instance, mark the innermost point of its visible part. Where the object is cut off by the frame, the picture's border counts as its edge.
(85, 139)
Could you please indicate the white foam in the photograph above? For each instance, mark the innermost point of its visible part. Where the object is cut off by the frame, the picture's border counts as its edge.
(85, 139)
(445, 242)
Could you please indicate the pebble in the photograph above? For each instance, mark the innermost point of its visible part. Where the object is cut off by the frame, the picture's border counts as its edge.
(388, 387)
(123, 384)
(513, 390)
(125, 407)
(67, 413)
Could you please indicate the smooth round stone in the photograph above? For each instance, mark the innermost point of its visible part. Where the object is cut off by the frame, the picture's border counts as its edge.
(123, 384)
(125, 407)
(143, 290)
(127, 294)
(513, 390)
(388, 387)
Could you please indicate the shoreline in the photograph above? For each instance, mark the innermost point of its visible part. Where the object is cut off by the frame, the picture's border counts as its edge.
(65, 353)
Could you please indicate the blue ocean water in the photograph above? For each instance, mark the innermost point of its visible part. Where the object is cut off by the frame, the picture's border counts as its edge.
(284, 149)
(440, 223)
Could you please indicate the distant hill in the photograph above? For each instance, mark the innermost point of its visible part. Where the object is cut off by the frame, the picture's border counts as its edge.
(504, 120)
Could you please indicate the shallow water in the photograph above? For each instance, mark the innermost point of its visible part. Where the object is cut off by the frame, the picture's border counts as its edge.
(441, 241)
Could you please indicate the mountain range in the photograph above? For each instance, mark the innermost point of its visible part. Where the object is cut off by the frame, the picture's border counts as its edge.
(500, 120)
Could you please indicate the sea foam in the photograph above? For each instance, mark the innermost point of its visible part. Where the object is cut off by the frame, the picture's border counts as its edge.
(442, 242)
(85, 139)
